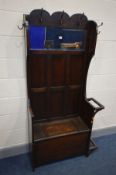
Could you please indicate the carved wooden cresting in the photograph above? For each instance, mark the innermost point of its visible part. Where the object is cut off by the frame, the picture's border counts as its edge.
(59, 50)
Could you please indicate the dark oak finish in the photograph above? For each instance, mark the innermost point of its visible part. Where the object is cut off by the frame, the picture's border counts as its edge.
(59, 148)
(56, 128)
(62, 117)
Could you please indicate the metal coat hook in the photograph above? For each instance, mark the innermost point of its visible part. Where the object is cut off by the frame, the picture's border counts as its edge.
(41, 15)
(98, 32)
(98, 27)
(22, 26)
(61, 17)
(81, 19)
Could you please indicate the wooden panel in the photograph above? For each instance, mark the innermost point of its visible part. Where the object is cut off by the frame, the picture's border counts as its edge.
(55, 85)
(60, 148)
(39, 105)
(72, 101)
(58, 70)
(56, 103)
(38, 71)
(75, 69)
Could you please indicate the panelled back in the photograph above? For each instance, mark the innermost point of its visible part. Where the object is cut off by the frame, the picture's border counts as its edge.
(55, 83)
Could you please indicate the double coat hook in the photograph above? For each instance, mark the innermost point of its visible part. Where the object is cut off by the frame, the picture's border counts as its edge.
(101, 24)
(25, 24)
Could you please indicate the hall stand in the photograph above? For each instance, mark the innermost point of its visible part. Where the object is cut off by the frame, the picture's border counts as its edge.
(59, 51)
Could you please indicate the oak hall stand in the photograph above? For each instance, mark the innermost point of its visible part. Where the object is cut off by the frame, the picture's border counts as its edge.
(59, 51)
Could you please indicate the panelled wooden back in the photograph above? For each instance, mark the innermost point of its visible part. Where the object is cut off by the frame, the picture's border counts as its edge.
(55, 84)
